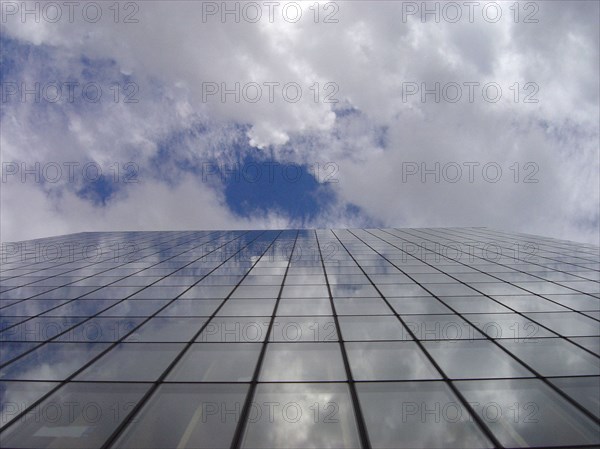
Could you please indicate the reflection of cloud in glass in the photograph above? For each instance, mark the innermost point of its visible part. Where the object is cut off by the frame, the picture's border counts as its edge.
(527, 412)
(132, 361)
(396, 360)
(195, 416)
(302, 416)
(15, 397)
(554, 357)
(302, 361)
(76, 415)
(52, 361)
(417, 415)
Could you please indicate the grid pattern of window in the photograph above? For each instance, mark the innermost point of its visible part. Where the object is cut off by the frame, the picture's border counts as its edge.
(373, 338)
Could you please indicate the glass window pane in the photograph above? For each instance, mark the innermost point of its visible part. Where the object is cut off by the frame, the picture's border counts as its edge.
(7, 322)
(305, 291)
(590, 343)
(530, 303)
(15, 397)
(77, 415)
(577, 302)
(247, 307)
(235, 330)
(474, 304)
(585, 390)
(301, 416)
(302, 362)
(402, 290)
(101, 329)
(132, 361)
(217, 362)
(496, 288)
(361, 306)
(454, 289)
(270, 280)
(52, 361)
(441, 327)
(354, 291)
(10, 350)
(417, 415)
(305, 306)
(291, 329)
(569, 324)
(544, 287)
(383, 360)
(207, 292)
(258, 292)
(81, 307)
(112, 293)
(135, 307)
(554, 357)
(160, 329)
(347, 279)
(195, 416)
(372, 328)
(154, 292)
(526, 412)
(474, 359)
(508, 325)
(31, 307)
(39, 329)
(422, 304)
(191, 307)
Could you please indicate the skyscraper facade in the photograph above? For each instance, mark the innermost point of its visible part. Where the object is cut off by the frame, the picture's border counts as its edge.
(353, 338)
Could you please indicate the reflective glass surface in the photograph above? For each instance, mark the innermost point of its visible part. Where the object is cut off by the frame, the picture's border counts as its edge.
(216, 362)
(190, 416)
(132, 361)
(417, 415)
(302, 416)
(77, 415)
(372, 328)
(52, 361)
(328, 338)
(302, 362)
(16, 396)
(384, 360)
(524, 413)
(585, 390)
(554, 357)
(474, 359)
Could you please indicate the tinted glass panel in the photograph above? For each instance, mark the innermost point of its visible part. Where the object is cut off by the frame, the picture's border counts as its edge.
(527, 412)
(302, 361)
(417, 415)
(372, 328)
(474, 359)
(396, 360)
(94, 412)
(132, 361)
(16, 397)
(190, 416)
(52, 361)
(216, 362)
(302, 416)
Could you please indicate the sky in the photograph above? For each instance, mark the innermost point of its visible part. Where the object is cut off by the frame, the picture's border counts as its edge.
(266, 115)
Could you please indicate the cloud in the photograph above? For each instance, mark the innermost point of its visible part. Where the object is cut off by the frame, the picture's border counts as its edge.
(374, 63)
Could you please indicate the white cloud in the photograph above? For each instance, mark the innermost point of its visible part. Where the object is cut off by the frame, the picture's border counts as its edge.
(370, 55)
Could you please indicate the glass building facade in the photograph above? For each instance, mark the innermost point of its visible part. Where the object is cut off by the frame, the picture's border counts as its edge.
(372, 338)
